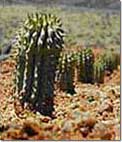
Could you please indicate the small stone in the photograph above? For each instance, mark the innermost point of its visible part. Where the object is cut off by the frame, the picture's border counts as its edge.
(100, 127)
(89, 122)
(77, 116)
(74, 105)
(110, 123)
(60, 113)
(106, 106)
(84, 131)
(67, 126)
(106, 136)
(46, 119)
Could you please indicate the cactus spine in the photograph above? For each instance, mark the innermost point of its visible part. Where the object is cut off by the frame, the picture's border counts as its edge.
(40, 43)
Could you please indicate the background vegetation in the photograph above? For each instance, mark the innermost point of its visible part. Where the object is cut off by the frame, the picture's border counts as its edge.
(89, 28)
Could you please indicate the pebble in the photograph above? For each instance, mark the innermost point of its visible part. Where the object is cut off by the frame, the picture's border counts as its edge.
(84, 131)
(75, 105)
(67, 126)
(106, 106)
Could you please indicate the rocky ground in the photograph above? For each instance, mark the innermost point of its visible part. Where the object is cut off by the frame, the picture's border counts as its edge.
(93, 113)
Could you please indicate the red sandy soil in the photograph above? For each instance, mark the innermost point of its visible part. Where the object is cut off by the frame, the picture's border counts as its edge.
(91, 114)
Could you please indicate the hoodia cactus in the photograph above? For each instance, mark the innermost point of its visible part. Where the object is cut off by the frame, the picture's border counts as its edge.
(65, 75)
(77, 66)
(99, 70)
(111, 60)
(86, 62)
(39, 44)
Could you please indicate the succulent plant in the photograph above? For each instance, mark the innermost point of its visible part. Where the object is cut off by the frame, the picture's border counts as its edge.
(106, 61)
(77, 64)
(77, 60)
(66, 73)
(111, 60)
(40, 42)
(86, 65)
(99, 70)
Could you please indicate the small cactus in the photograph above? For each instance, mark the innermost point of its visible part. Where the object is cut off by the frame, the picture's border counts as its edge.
(86, 65)
(40, 42)
(99, 71)
(66, 73)
(111, 60)
(106, 61)
(77, 58)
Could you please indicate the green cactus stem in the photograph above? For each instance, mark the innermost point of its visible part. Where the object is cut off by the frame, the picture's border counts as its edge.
(86, 65)
(111, 60)
(99, 71)
(66, 73)
(40, 42)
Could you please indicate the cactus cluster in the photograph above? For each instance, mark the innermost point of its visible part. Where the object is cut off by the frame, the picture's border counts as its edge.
(40, 42)
(84, 67)
(75, 65)
(41, 63)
